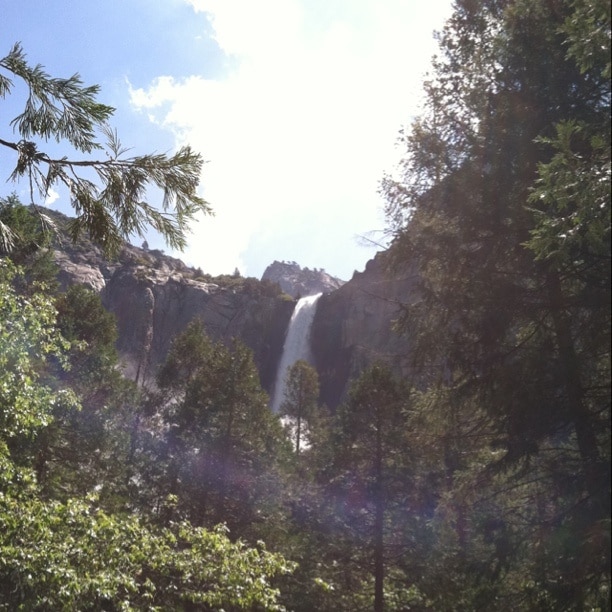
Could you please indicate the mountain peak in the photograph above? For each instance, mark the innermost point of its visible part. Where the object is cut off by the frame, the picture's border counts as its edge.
(297, 281)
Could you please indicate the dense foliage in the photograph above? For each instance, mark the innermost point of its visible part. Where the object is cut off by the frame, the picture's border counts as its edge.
(503, 210)
(73, 545)
(478, 479)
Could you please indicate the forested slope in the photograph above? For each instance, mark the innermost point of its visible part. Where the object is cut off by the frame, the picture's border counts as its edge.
(476, 476)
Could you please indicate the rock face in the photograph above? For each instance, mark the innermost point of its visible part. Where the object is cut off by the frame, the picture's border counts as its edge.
(154, 297)
(300, 282)
(353, 327)
(74, 272)
(153, 306)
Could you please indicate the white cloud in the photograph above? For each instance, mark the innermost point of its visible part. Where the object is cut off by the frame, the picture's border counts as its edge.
(252, 29)
(52, 196)
(300, 131)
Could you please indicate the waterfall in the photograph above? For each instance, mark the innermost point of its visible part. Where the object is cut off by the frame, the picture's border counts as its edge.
(297, 344)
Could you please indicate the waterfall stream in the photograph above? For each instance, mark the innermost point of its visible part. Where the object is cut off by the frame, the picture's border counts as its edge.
(297, 344)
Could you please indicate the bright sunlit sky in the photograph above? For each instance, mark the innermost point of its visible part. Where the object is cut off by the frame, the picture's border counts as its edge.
(295, 104)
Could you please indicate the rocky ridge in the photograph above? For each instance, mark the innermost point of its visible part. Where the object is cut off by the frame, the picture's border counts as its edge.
(300, 282)
(155, 296)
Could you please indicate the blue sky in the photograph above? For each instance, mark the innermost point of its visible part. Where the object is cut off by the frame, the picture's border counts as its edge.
(295, 105)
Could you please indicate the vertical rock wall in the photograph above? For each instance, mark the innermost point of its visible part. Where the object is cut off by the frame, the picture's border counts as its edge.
(153, 307)
(353, 327)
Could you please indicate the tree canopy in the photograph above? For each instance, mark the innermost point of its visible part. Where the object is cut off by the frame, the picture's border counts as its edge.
(503, 210)
(75, 553)
(473, 475)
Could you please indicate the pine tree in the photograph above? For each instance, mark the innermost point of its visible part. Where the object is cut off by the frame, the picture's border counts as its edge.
(368, 462)
(503, 209)
(301, 400)
(223, 443)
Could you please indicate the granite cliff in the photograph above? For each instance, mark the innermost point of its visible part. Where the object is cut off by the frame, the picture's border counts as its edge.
(153, 306)
(354, 326)
(300, 282)
(155, 296)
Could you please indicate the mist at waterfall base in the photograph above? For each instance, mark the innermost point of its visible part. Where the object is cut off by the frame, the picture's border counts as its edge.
(296, 346)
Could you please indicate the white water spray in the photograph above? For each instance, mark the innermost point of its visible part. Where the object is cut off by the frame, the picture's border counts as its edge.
(297, 344)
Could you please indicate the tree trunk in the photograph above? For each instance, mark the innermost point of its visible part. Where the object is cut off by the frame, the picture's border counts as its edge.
(379, 517)
(224, 460)
(585, 434)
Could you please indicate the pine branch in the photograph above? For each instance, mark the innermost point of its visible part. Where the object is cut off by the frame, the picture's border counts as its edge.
(115, 208)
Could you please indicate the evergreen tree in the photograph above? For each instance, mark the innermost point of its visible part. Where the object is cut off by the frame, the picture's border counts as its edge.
(23, 238)
(503, 210)
(223, 443)
(301, 400)
(89, 447)
(369, 463)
